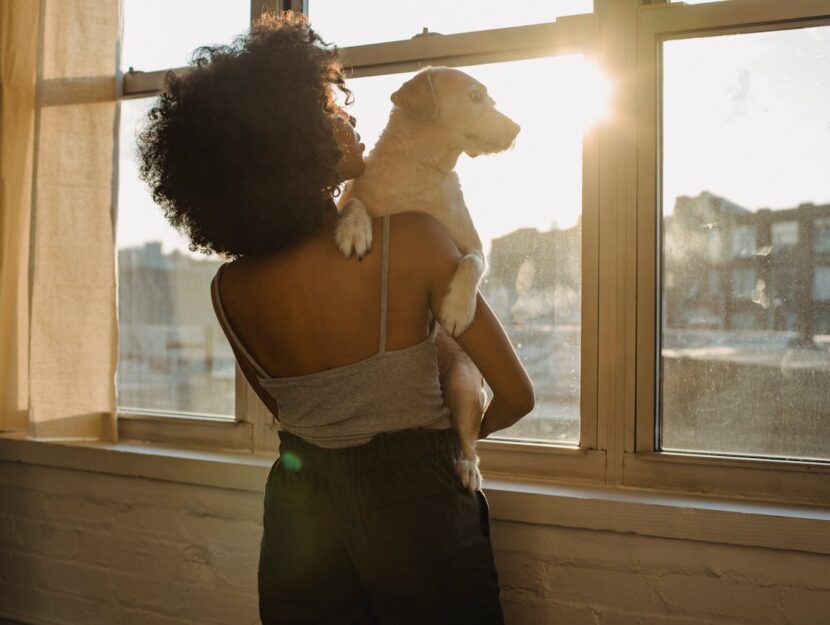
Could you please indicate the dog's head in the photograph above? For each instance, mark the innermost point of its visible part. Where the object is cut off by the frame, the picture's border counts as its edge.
(461, 106)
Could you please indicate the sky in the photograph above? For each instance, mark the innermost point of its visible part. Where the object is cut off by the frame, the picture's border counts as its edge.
(746, 116)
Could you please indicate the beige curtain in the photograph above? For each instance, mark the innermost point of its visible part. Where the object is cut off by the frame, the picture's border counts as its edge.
(58, 241)
(18, 71)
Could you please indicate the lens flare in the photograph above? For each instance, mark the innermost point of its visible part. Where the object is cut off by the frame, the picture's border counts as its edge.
(291, 462)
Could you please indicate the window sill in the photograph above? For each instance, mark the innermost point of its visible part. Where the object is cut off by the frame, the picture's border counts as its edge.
(600, 508)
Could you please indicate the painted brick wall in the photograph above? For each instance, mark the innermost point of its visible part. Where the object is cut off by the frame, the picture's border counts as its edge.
(86, 548)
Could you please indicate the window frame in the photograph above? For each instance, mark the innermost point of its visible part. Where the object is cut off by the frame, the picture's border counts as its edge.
(570, 34)
(254, 427)
(620, 295)
(643, 465)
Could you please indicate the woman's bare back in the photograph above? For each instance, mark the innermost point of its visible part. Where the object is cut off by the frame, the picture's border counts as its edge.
(309, 309)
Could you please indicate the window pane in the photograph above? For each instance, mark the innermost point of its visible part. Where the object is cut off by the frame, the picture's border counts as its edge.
(160, 34)
(373, 21)
(526, 204)
(173, 355)
(746, 151)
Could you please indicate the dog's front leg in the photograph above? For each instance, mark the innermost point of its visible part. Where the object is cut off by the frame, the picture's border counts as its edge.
(354, 229)
(459, 305)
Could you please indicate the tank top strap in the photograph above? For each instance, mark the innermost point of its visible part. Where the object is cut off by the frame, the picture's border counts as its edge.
(384, 283)
(229, 328)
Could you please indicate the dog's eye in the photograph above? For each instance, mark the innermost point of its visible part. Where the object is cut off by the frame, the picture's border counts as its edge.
(476, 96)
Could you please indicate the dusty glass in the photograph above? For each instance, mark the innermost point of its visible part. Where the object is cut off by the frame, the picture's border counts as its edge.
(373, 21)
(745, 341)
(173, 356)
(160, 34)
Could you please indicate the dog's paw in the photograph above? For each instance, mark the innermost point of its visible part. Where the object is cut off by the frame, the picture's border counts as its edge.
(353, 233)
(469, 474)
(457, 311)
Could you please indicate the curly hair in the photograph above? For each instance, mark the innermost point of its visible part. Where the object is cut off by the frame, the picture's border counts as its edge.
(240, 151)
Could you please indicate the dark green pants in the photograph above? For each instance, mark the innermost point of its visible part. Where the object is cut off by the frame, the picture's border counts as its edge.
(380, 533)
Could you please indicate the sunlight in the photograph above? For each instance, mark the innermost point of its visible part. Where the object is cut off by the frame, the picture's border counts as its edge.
(588, 98)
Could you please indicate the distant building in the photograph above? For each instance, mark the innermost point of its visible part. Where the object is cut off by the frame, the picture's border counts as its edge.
(726, 267)
(536, 276)
(164, 288)
(172, 352)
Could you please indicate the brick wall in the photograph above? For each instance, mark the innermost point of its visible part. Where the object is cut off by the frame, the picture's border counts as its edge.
(552, 575)
(80, 547)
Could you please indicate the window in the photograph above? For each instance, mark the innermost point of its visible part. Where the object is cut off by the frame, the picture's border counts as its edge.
(750, 386)
(744, 283)
(821, 235)
(671, 305)
(534, 239)
(821, 284)
(533, 242)
(173, 356)
(539, 276)
(743, 240)
(784, 234)
(714, 283)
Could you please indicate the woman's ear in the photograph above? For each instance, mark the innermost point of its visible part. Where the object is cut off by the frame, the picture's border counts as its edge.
(417, 96)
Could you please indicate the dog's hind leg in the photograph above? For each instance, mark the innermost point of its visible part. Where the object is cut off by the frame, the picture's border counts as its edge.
(354, 229)
(463, 389)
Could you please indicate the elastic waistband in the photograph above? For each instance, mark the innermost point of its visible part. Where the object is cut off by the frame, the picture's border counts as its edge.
(386, 449)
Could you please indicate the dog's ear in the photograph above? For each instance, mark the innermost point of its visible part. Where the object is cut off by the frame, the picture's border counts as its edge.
(417, 96)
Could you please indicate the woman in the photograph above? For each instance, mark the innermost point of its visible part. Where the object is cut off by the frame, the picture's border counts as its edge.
(365, 519)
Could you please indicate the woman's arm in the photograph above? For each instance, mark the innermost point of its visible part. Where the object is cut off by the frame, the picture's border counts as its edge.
(489, 347)
(484, 340)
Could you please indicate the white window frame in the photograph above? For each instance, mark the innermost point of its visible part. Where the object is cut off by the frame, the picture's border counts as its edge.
(643, 465)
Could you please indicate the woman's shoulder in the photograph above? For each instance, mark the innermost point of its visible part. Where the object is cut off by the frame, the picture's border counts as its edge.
(424, 235)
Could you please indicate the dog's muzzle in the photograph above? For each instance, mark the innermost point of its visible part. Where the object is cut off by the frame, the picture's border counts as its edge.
(499, 137)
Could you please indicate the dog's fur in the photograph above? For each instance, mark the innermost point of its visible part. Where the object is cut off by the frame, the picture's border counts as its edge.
(438, 114)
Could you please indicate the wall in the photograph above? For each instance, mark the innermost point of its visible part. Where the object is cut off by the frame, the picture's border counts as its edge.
(84, 547)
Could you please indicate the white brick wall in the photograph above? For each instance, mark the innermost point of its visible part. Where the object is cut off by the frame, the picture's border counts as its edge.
(556, 575)
(136, 551)
(79, 548)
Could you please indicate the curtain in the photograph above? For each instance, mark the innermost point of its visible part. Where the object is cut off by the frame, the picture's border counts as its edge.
(18, 71)
(59, 158)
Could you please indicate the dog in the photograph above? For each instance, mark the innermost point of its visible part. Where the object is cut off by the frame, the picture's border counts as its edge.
(438, 114)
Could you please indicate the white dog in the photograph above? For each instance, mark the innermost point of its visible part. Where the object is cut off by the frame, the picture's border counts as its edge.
(438, 114)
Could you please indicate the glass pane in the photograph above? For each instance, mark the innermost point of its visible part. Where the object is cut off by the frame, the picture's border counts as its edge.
(531, 231)
(373, 21)
(746, 244)
(173, 354)
(160, 34)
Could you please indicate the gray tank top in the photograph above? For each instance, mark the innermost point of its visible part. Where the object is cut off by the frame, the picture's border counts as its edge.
(348, 405)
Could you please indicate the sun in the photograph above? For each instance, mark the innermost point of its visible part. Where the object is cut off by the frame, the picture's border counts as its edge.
(589, 100)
